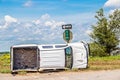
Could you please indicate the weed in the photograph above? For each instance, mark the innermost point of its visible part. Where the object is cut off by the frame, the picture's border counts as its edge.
(22, 72)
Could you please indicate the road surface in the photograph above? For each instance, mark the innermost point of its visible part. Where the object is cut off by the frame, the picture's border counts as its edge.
(81, 75)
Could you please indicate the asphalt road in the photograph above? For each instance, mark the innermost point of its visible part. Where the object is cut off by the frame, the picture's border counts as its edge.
(81, 75)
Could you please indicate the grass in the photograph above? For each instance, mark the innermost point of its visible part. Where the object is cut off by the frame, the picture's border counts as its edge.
(95, 63)
(108, 58)
(104, 63)
(5, 63)
(22, 72)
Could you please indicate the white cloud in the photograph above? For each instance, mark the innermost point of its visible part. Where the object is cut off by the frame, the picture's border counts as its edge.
(50, 37)
(4, 26)
(42, 19)
(28, 3)
(21, 39)
(88, 31)
(48, 23)
(53, 24)
(112, 3)
(15, 30)
(46, 20)
(46, 29)
(27, 25)
(111, 11)
(36, 22)
(8, 20)
(38, 31)
(45, 17)
(32, 30)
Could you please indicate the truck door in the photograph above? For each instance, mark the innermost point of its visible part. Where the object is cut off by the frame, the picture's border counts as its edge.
(68, 57)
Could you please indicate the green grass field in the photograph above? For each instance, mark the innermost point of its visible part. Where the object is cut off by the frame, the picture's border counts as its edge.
(95, 63)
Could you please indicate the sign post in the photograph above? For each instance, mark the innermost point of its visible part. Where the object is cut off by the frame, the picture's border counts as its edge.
(67, 34)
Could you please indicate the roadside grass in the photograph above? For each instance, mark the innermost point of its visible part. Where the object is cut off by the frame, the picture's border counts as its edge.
(104, 63)
(95, 63)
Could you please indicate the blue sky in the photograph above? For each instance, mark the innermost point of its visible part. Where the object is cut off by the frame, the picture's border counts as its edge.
(39, 21)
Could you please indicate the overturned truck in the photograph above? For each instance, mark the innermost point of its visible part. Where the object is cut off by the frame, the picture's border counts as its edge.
(34, 57)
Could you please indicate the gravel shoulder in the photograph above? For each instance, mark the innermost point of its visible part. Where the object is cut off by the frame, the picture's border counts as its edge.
(81, 75)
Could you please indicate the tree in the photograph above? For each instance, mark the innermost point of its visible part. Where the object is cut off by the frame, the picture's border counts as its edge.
(104, 34)
(114, 22)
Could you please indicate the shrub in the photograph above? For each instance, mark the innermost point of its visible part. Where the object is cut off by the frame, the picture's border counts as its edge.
(97, 50)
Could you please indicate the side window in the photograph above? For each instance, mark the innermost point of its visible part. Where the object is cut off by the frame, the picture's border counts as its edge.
(68, 51)
(60, 46)
(47, 46)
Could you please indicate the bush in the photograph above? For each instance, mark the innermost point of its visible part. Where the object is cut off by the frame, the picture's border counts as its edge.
(97, 50)
(5, 63)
